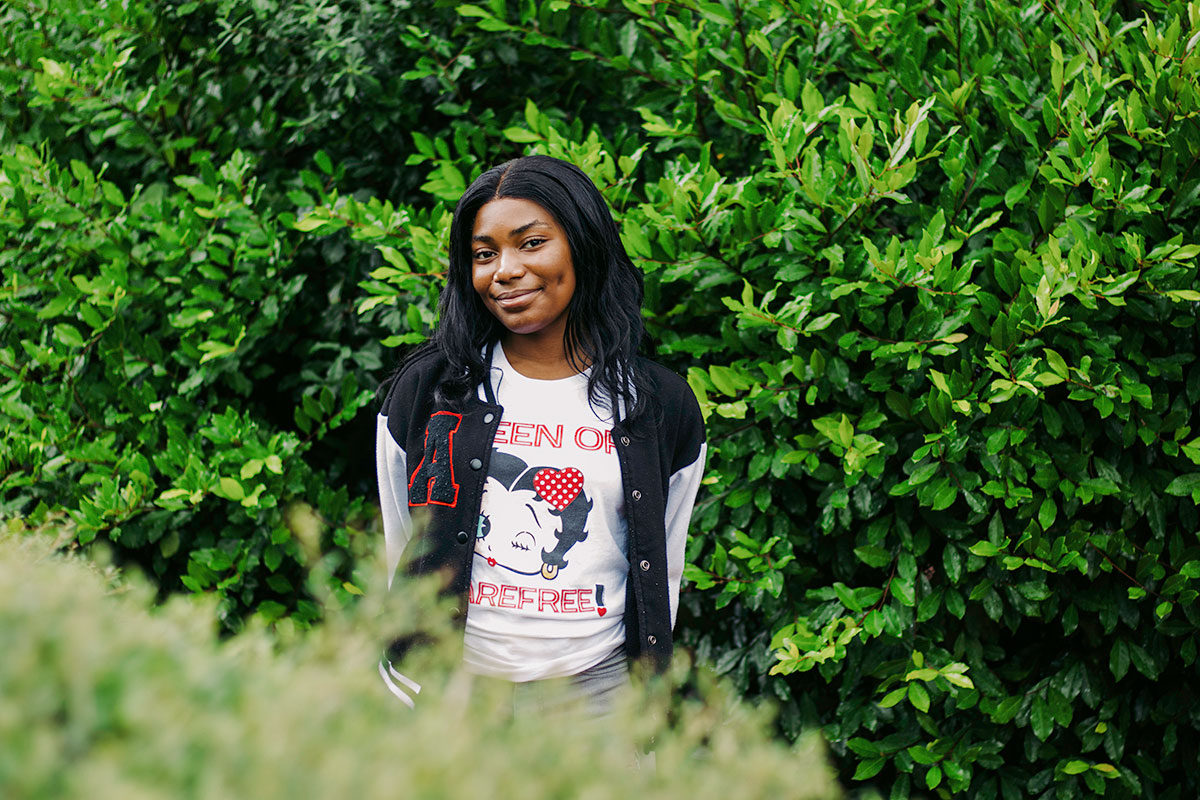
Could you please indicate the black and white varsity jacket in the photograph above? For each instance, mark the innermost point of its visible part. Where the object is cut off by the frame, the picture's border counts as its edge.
(435, 459)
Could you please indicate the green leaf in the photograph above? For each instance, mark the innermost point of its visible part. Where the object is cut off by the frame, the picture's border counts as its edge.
(309, 223)
(947, 493)
(1184, 485)
(271, 610)
(53, 68)
(868, 768)
(928, 607)
(845, 432)
(821, 323)
(627, 38)
(67, 334)
(960, 680)
(232, 489)
(1006, 710)
(918, 695)
(635, 239)
(1057, 363)
(1040, 719)
(846, 596)
(521, 135)
(924, 473)
(724, 379)
(1143, 661)
(1047, 513)
(952, 563)
(921, 754)
(984, 549)
(1118, 659)
(467, 10)
(169, 544)
(873, 556)
(1016, 192)
(717, 13)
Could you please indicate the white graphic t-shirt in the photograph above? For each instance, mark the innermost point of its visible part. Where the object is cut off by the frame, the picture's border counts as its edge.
(547, 596)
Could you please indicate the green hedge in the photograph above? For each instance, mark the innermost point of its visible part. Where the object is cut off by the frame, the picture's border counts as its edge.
(104, 699)
(930, 268)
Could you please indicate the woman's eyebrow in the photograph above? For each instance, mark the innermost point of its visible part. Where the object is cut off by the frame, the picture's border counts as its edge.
(531, 511)
(537, 223)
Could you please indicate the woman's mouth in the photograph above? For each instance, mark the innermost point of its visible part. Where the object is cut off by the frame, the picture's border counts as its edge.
(515, 299)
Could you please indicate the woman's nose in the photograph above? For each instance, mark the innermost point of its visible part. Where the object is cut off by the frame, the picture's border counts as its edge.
(509, 266)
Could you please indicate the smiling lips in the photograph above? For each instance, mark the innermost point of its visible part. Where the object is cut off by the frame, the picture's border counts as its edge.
(514, 299)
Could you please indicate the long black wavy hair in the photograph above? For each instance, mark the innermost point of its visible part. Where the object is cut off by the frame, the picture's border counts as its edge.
(604, 317)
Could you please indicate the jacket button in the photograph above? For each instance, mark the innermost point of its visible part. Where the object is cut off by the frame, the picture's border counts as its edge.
(488, 417)
(637, 495)
(625, 441)
(476, 463)
(652, 640)
(462, 537)
(645, 565)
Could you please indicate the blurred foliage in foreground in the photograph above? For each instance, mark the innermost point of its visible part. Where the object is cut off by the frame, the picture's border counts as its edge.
(103, 698)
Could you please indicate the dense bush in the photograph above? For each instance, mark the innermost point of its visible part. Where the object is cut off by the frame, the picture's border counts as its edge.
(930, 268)
(105, 700)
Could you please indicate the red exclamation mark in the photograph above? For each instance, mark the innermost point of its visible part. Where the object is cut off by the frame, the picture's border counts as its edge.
(600, 609)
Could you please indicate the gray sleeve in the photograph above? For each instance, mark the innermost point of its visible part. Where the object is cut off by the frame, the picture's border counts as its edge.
(681, 497)
(391, 469)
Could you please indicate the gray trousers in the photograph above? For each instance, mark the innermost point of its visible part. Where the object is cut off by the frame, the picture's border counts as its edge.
(594, 692)
(591, 695)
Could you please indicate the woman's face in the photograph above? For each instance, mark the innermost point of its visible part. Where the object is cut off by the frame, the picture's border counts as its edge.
(522, 267)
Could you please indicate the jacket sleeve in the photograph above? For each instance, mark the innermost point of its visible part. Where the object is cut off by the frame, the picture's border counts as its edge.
(391, 470)
(686, 472)
(681, 497)
(391, 467)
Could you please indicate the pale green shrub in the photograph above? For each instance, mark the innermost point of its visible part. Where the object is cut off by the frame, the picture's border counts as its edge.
(103, 698)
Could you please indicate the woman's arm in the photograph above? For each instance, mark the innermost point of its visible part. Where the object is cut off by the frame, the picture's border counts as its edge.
(681, 497)
(391, 469)
(687, 468)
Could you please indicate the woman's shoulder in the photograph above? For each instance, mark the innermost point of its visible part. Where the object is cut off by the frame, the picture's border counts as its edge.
(671, 392)
(663, 379)
(417, 374)
(674, 412)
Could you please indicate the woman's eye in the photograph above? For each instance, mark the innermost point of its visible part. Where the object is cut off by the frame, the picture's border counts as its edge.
(534, 242)
(483, 255)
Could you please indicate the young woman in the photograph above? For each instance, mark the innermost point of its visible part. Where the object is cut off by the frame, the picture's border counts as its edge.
(552, 469)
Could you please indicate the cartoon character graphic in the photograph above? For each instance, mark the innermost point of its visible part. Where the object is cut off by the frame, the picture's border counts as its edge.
(531, 516)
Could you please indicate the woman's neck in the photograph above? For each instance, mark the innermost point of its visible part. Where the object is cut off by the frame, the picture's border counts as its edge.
(540, 358)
